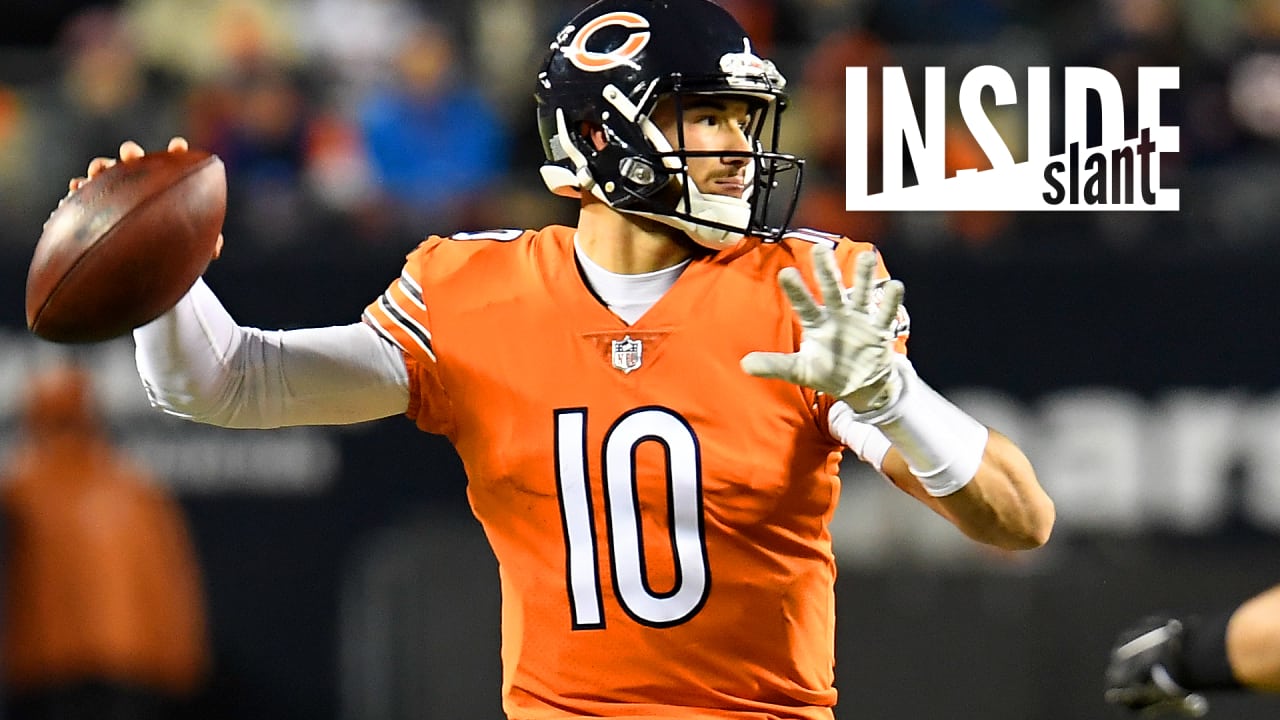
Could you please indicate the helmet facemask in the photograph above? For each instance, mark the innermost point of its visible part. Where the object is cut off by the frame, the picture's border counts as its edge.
(715, 220)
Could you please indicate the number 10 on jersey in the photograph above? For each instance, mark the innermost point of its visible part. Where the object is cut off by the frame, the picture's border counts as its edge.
(622, 517)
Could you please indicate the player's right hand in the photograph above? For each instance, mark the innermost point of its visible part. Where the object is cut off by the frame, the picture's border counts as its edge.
(1140, 674)
(130, 150)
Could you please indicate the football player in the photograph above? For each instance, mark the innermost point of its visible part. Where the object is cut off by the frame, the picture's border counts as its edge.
(1164, 663)
(650, 406)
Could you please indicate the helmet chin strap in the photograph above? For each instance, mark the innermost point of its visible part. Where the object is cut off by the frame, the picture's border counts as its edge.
(722, 209)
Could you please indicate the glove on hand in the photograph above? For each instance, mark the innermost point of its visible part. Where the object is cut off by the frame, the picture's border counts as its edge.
(847, 346)
(1140, 673)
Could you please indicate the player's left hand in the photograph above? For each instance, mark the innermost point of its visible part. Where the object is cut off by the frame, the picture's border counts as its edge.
(1140, 672)
(847, 345)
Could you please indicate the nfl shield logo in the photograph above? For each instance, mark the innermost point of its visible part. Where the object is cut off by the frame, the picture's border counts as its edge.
(626, 354)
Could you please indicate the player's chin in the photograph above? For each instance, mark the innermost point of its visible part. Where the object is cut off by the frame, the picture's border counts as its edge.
(733, 190)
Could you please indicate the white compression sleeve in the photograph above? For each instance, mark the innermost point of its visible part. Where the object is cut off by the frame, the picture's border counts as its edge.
(196, 362)
(941, 443)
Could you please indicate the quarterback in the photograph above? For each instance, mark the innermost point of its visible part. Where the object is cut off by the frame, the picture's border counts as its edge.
(651, 406)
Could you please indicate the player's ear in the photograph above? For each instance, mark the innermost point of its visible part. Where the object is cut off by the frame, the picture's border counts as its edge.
(595, 134)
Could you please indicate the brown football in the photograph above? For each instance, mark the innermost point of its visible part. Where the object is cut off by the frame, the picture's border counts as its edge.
(126, 246)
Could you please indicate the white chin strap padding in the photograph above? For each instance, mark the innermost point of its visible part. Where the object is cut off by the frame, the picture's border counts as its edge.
(722, 209)
(560, 181)
(708, 237)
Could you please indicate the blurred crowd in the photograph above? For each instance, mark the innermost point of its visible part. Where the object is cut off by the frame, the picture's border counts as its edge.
(362, 125)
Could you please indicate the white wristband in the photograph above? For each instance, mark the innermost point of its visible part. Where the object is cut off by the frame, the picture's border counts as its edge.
(943, 445)
(867, 441)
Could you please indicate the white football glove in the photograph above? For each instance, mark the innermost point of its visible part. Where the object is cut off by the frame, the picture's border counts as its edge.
(847, 346)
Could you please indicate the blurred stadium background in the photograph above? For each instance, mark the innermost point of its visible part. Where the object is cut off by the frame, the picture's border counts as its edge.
(1134, 355)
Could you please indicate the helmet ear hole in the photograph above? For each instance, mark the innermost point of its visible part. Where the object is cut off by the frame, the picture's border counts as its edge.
(595, 135)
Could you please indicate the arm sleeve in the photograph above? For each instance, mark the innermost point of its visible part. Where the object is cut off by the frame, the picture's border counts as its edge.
(197, 363)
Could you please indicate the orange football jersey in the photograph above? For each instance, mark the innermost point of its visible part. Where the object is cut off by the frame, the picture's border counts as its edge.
(659, 516)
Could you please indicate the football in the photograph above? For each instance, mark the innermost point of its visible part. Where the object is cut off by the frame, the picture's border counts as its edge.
(126, 246)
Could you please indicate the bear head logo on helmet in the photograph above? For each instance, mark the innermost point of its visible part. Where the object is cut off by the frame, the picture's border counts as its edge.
(606, 71)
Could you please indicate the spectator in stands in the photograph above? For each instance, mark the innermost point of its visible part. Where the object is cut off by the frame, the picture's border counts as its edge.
(231, 32)
(435, 143)
(351, 43)
(104, 613)
(821, 100)
(100, 91)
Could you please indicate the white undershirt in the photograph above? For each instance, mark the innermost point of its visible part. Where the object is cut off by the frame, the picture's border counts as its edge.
(628, 296)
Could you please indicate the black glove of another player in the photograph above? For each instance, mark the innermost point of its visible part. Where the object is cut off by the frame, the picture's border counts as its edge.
(1144, 665)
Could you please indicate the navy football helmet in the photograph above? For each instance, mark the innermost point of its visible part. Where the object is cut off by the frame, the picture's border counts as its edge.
(608, 68)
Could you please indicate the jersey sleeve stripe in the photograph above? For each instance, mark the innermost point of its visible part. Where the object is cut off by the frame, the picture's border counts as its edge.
(411, 288)
(406, 323)
(376, 324)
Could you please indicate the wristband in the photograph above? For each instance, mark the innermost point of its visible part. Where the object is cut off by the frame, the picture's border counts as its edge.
(943, 445)
(867, 442)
